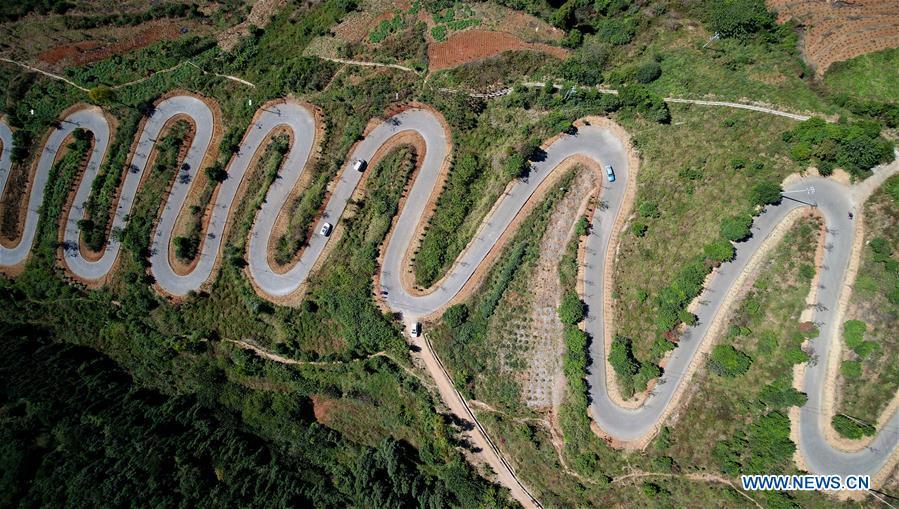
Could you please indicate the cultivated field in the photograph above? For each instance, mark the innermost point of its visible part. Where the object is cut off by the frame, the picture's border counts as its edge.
(478, 44)
(837, 30)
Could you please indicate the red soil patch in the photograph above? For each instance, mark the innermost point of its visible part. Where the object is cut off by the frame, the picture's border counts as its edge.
(84, 52)
(838, 30)
(322, 406)
(474, 45)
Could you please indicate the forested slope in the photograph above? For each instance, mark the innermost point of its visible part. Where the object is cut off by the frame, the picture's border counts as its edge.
(87, 436)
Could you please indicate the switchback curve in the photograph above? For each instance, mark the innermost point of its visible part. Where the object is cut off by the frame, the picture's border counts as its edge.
(596, 143)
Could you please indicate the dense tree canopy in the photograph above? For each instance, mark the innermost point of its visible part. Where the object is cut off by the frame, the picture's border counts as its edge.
(88, 436)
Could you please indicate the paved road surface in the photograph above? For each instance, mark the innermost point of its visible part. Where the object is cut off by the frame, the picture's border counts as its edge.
(832, 199)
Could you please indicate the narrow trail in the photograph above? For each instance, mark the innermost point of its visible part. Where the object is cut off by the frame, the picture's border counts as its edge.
(726, 104)
(45, 73)
(133, 82)
(482, 95)
(178, 66)
(280, 359)
(596, 140)
(635, 476)
(367, 64)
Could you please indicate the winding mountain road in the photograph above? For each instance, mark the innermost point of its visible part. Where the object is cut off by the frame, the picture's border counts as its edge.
(597, 143)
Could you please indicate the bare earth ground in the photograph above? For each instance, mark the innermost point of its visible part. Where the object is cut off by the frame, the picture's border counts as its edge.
(471, 45)
(83, 52)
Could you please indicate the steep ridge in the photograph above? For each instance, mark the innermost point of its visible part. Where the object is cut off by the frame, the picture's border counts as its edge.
(599, 144)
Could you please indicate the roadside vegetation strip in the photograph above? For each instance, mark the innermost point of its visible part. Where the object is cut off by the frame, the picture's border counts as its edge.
(604, 144)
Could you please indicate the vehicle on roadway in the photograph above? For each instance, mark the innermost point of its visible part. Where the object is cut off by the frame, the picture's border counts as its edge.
(360, 165)
(415, 330)
(610, 173)
(325, 230)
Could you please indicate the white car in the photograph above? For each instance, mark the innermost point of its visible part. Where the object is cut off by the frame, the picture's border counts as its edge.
(610, 173)
(325, 230)
(415, 330)
(360, 165)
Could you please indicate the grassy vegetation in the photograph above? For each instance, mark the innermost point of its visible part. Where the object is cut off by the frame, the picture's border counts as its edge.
(697, 189)
(765, 328)
(763, 343)
(871, 77)
(699, 184)
(178, 349)
(510, 129)
(870, 366)
(504, 69)
(461, 339)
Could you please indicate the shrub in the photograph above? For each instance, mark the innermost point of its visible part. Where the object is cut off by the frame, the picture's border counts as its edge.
(795, 355)
(216, 173)
(21, 143)
(663, 463)
(575, 362)
(780, 394)
(891, 188)
(617, 31)
(738, 18)
(865, 349)
(586, 65)
(582, 227)
(101, 94)
(572, 309)
(438, 33)
(854, 333)
(807, 271)
(649, 105)
(639, 228)
(881, 249)
(186, 247)
(728, 362)
(851, 369)
(455, 315)
(766, 193)
(515, 166)
(852, 428)
(649, 209)
(673, 298)
(737, 228)
(647, 372)
(529, 150)
(648, 72)
(856, 147)
(621, 357)
(720, 251)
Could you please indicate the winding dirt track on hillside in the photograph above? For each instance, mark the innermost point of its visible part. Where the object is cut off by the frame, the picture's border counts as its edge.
(597, 140)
